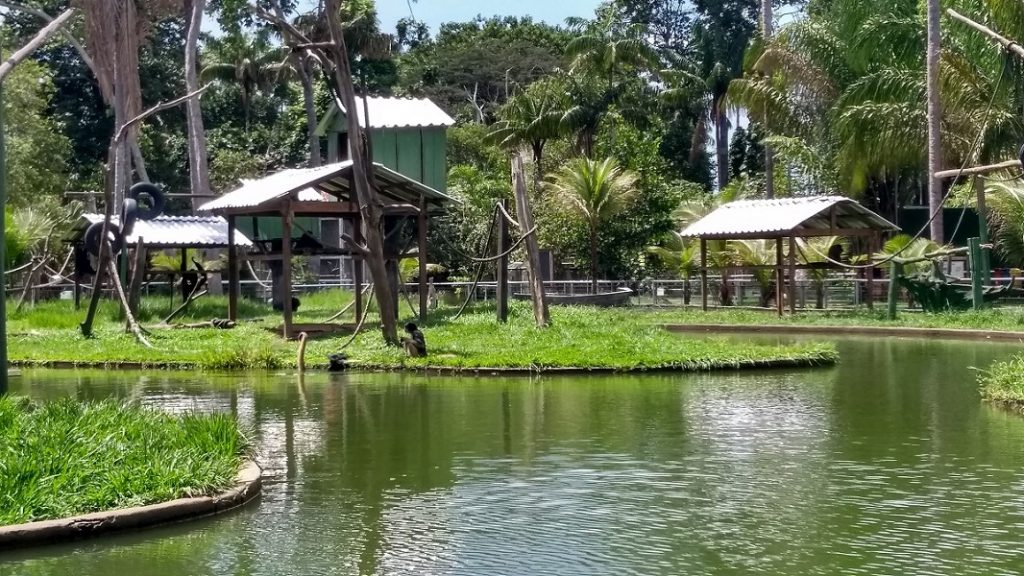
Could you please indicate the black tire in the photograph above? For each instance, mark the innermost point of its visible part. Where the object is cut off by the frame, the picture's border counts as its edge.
(149, 198)
(92, 239)
(129, 213)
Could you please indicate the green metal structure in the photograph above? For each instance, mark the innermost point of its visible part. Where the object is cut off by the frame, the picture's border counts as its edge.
(3, 255)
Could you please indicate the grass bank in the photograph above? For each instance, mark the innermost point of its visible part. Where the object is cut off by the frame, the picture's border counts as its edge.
(64, 458)
(1003, 383)
(586, 338)
(1003, 319)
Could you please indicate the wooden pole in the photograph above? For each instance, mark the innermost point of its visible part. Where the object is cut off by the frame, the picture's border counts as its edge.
(977, 276)
(286, 267)
(502, 272)
(992, 35)
(895, 270)
(986, 265)
(184, 269)
(422, 222)
(870, 271)
(703, 274)
(779, 277)
(792, 275)
(357, 267)
(979, 170)
(138, 274)
(540, 305)
(233, 279)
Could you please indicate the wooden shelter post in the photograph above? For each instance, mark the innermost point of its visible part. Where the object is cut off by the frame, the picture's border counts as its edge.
(286, 267)
(233, 280)
(779, 276)
(873, 245)
(502, 273)
(422, 226)
(184, 269)
(703, 274)
(792, 275)
(357, 267)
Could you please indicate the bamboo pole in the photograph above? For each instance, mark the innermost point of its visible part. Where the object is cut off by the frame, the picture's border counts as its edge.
(704, 275)
(40, 38)
(779, 277)
(1006, 43)
(979, 170)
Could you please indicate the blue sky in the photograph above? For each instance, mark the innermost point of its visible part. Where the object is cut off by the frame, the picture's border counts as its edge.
(436, 12)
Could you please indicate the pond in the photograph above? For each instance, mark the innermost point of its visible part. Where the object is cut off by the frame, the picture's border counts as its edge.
(886, 464)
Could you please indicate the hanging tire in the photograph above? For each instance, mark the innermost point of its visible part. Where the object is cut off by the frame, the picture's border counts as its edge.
(92, 239)
(149, 199)
(129, 213)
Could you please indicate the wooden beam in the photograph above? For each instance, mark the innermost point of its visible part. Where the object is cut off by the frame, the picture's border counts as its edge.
(525, 215)
(502, 272)
(421, 221)
(357, 266)
(779, 276)
(286, 269)
(873, 243)
(980, 170)
(311, 207)
(233, 280)
(704, 274)
(792, 275)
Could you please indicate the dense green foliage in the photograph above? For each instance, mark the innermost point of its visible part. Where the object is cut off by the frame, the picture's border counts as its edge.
(65, 458)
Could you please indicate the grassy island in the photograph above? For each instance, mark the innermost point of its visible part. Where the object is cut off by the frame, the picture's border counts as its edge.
(1003, 383)
(584, 338)
(64, 458)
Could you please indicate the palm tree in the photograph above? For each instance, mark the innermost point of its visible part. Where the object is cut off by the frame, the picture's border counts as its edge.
(934, 122)
(531, 118)
(597, 190)
(247, 60)
(681, 256)
(603, 50)
(757, 253)
(818, 251)
(199, 177)
(1006, 209)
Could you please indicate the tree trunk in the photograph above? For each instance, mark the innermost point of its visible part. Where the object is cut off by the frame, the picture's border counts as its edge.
(721, 145)
(540, 304)
(370, 207)
(309, 101)
(197, 161)
(934, 124)
(593, 256)
(767, 31)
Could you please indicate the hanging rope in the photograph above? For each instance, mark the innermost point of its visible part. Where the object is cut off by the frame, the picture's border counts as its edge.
(359, 326)
(20, 268)
(365, 289)
(479, 267)
(264, 285)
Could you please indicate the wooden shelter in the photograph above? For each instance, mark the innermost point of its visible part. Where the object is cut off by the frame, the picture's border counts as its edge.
(323, 192)
(161, 233)
(786, 219)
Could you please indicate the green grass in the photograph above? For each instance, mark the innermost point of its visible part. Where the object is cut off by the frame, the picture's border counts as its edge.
(1004, 318)
(1003, 383)
(587, 338)
(65, 458)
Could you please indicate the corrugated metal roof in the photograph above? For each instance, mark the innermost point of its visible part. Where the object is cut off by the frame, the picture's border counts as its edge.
(394, 113)
(307, 184)
(174, 231)
(783, 216)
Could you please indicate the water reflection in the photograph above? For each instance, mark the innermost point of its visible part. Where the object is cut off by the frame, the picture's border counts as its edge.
(886, 464)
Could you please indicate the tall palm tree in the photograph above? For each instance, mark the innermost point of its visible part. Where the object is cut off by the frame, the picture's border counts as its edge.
(532, 117)
(602, 49)
(247, 60)
(597, 190)
(199, 177)
(934, 122)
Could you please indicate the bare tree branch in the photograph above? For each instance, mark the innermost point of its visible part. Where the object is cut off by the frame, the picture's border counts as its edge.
(48, 19)
(41, 37)
(160, 107)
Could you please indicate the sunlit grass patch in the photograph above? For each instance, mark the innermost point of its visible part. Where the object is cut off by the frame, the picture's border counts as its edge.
(65, 458)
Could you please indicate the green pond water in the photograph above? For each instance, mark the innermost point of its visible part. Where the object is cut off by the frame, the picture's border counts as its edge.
(886, 464)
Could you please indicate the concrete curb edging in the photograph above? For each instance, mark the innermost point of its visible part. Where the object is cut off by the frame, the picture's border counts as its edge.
(901, 331)
(248, 484)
